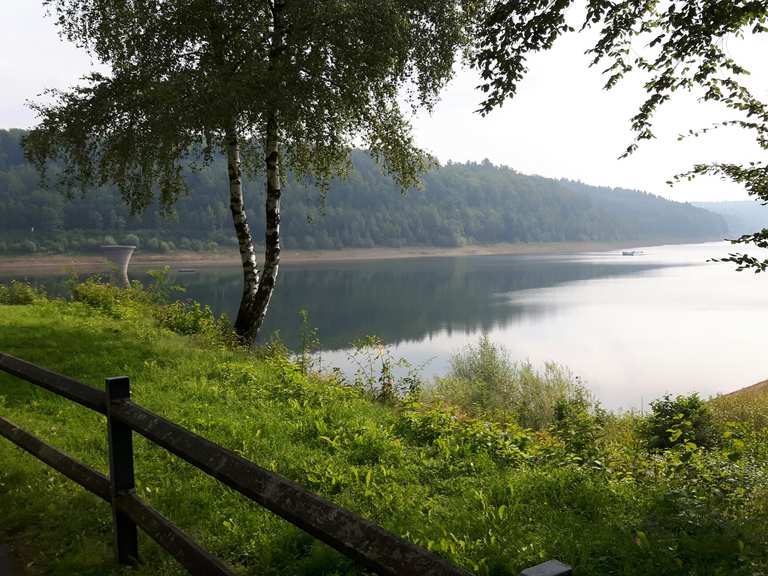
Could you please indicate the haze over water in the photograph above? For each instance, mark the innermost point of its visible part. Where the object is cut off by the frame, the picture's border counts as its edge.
(631, 327)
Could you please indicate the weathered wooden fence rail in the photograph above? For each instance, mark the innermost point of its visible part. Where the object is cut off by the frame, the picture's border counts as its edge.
(345, 531)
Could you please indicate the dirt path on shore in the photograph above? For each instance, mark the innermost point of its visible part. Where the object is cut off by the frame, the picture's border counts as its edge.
(47, 264)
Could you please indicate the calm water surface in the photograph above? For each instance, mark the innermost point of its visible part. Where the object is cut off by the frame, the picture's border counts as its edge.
(632, 327)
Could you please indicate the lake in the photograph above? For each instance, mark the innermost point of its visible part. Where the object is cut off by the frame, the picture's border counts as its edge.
(631, 327)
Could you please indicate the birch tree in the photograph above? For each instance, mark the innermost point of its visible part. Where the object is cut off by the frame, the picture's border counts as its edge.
(274, 85)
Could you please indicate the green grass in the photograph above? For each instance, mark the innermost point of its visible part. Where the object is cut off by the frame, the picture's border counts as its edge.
(492, 498)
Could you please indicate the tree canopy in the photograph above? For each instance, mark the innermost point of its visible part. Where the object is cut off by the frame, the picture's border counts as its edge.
(273, 84)
(183, 71)
(677, 45)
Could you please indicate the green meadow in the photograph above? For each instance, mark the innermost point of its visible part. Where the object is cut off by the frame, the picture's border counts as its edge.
(496, 467)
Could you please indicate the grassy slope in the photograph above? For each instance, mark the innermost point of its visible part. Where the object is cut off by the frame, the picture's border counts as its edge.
(491, 517)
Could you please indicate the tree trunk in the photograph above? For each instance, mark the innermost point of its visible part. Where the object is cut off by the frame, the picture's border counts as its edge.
(272, 233)
(245, 325)
(257, 290)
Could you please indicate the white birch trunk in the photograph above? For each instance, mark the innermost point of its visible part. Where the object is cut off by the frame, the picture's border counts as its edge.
(246, 314)
(272, 233)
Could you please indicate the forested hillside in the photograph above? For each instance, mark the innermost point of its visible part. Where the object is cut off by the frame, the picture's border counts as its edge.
(741, 216)
(460, 203)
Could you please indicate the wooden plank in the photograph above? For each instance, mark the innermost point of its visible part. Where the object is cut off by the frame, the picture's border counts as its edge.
(347, 532)
(63, 386)
(75, 470)
(191, 555)
(163, 531)
(357, 538)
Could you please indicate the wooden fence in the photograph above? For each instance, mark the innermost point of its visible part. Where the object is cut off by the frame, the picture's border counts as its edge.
(357, 538)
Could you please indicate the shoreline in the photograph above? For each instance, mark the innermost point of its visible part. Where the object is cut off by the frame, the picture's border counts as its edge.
(47, 263)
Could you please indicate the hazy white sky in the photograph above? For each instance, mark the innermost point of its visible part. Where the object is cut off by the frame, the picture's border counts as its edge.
(562, 124)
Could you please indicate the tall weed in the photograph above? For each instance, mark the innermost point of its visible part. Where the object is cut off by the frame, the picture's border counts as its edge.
(380, 374)
(484, 381)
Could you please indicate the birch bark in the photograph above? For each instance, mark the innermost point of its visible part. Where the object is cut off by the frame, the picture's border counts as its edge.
(247, 312)
(272, 232)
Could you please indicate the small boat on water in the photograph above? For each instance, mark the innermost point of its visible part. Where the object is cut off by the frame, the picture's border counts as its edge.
(631, 252)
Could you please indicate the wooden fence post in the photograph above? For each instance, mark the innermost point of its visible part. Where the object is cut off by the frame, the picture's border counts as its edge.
(121, 478)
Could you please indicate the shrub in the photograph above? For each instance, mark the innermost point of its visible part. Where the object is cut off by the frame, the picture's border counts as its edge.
(484, 381)
(161, 289)
(186, 317)
(457, 436)
(112, 300)
(677, 421)
(20, 293)
(579, 424)
(189, 317)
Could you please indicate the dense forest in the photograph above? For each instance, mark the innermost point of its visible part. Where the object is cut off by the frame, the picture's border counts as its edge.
(459, 204)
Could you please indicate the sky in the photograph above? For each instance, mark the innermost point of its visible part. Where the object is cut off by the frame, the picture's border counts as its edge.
(562, 124)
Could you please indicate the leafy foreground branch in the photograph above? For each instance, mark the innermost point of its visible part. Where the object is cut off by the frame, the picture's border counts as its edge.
(673, 47)
(599, 491)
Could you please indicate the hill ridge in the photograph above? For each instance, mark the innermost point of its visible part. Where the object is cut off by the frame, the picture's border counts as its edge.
(460, 203)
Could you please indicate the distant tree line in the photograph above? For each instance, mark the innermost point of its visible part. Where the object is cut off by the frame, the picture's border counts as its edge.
(459, 204)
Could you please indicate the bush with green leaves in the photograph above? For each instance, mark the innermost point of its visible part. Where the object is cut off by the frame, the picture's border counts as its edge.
(485, 381)
(579, 423)
(189, 317)
(161, 289)
(20, 293)
(678, 421)
(112, 300)
(182, 317)
(457, 436)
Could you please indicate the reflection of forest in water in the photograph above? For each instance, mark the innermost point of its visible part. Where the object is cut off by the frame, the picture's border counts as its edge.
(401, 300)
(397, 300)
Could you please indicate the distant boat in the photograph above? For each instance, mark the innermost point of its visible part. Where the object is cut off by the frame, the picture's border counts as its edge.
(631, 252)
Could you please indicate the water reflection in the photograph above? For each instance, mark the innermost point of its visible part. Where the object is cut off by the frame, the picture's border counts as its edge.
(404, 300)
(632, 327)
